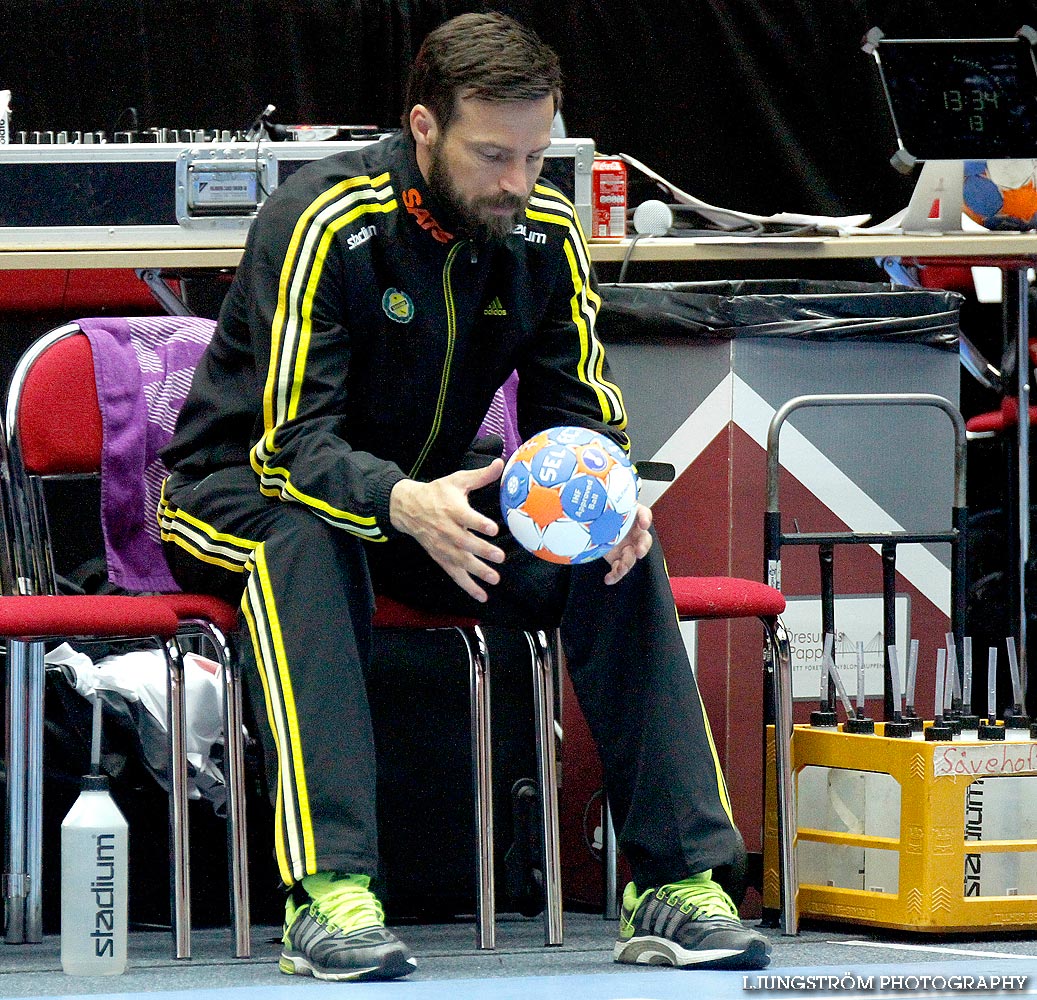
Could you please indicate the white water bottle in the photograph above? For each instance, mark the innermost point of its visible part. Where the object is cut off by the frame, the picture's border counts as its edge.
(94, 870)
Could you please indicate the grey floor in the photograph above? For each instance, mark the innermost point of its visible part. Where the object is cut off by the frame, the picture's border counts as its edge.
(452, 969)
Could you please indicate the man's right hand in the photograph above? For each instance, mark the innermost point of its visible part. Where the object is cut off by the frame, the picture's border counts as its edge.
(448, 528)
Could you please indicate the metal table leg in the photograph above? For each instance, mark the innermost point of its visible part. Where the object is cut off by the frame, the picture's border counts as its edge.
(1016, 305)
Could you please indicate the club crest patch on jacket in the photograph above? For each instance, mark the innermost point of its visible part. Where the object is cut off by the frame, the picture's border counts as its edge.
(398, 306)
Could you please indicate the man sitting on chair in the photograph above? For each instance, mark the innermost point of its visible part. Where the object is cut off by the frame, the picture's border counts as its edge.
(383, 296)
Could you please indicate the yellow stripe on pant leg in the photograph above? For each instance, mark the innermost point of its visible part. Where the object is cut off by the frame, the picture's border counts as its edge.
(294, 846)
(284, 864)
(293, 742)
(289, 838)
(725, 799)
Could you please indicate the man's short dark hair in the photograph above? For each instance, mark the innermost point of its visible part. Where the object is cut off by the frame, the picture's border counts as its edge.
(488, 56)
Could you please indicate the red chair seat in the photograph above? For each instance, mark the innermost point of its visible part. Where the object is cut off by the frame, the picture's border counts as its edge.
(202, 606)
(73, 615)
(997, 421)
(724, 597)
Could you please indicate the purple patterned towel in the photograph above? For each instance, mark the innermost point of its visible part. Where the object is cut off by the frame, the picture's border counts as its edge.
(143, 366)
(502, 419)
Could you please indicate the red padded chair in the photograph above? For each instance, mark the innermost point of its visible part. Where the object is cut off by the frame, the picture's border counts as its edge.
(26, 622)
(993, 423)
(700, 598)
(55, 431)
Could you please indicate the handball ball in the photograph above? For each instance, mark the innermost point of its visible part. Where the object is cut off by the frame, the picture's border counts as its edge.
(1001, 194)
(569, 495)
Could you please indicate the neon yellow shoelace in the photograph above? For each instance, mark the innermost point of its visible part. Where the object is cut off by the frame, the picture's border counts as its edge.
(345, 904)
(700, 892)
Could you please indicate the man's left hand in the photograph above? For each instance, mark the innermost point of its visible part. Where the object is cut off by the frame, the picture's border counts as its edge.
(634, 546)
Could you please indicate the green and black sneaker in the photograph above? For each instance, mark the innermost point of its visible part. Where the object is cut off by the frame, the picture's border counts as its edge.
(689, 923)
(337, 931)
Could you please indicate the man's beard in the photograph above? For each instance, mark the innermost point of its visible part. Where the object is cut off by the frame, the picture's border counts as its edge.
(475, 216)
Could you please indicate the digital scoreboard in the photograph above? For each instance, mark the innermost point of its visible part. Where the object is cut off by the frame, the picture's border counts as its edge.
(961, 98)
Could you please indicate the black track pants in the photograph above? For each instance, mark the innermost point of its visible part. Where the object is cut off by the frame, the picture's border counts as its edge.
(306, 591)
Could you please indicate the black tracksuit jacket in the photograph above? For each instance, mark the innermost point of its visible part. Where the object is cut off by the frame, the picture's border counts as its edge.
(362, 339)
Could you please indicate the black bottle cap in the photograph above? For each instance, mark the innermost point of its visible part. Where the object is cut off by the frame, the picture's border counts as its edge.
(916, 723)
(990, 731)
(860, 726)
(897, 730)
(821, 719)
(94, 783)
(941, 731)
(1016, 722)
(968, 722)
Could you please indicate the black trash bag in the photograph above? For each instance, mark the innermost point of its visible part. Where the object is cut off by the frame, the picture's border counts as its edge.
(781, 307)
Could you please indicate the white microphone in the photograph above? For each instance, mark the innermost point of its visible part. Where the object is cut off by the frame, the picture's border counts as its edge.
(653, 218)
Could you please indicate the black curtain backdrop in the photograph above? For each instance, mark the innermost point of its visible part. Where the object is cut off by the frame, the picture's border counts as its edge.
(761, 106)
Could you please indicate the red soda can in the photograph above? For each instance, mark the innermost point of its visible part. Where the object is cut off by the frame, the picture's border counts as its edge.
(608, 199)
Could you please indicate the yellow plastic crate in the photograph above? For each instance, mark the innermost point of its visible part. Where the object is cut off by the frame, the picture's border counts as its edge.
(934, 874)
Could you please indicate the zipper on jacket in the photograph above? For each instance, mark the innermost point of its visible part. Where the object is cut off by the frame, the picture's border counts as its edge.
(451, 337)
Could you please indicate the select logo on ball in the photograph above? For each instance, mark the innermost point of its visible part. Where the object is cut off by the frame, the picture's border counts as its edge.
(569, 495)
(552, 465)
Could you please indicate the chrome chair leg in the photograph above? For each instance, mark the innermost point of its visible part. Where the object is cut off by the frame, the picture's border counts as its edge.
(15, 874)
(482, 786)
(236, 819)
(547, 763)
(179, 847)
(234, 777)
(780, 663)
(34, 795)
(610, 856)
